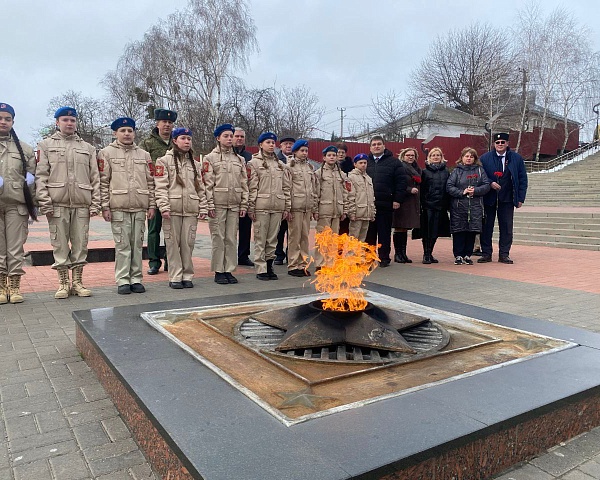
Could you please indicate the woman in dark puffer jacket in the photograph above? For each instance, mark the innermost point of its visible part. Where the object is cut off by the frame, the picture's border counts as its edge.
(467, 185)
(434, 203)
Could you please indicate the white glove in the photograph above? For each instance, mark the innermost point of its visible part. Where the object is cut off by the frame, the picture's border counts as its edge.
(1, 182)
(29, 178)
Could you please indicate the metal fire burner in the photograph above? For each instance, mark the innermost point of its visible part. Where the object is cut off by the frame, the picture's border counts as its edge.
(309, 326)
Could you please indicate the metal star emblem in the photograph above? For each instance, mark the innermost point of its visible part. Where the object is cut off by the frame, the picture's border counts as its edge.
(302, 398)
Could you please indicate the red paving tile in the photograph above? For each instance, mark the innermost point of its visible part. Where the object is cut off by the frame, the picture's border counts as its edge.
(556, 267)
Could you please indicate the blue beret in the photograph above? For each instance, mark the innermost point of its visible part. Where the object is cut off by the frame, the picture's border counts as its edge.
(360, 156)
(122, 122)
(65, 112)
(181, 131)
(298, 144)
(223, 128)
(501, 136)
(330, 148)
(267, 136)
(164, 114)
(5, 107)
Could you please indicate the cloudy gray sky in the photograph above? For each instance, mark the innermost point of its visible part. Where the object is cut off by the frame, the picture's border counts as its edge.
(345, 51)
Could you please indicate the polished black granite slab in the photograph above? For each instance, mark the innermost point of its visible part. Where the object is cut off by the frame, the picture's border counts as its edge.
(223, 435)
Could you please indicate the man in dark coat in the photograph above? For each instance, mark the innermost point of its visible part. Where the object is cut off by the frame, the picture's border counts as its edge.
(389, 184)
(245, 229)
(508, 177)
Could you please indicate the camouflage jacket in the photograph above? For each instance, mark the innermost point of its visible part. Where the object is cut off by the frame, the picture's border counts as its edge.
(155, 145)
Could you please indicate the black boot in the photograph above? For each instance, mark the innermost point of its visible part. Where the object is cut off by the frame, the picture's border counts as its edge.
(426, 254)
(398, 258)
(403, 241)
(272, 275)
(431, 245)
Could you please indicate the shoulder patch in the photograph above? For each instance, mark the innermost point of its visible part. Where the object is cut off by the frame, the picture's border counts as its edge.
(100, 164)
(249, 172)
(205, 166)
(348, 185)
(159, 170)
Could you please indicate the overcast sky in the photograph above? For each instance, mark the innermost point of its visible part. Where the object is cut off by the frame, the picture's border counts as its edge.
(345, 51)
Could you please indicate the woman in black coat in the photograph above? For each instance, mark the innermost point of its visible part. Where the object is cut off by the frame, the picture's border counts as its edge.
(434, 203)
(408, 215)
(467, 185)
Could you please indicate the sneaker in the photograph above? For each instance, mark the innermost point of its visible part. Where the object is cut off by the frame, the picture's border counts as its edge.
(124, 289)
(137, 288)
(458, 261)
(468, 260)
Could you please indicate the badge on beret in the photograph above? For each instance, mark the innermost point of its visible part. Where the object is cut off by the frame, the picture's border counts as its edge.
(159, 170)
(100, 164)
(348, 185)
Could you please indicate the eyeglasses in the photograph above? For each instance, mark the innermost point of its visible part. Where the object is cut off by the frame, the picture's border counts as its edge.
(500, 142)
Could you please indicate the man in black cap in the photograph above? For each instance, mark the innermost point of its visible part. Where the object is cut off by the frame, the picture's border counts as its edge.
(157, 145)
(508, 176)
(285, 150)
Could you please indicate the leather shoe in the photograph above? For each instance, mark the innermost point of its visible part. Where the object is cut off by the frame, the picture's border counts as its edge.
(231, 278)
(297, 272)
(221, 278)
(176, 285)
(124, 289)
(477, 253)
(484, 259)
(187, 284)
(137, 288)
(263, 276)
(506, 260)
(384, 263)
(153, 271)
(245, 262)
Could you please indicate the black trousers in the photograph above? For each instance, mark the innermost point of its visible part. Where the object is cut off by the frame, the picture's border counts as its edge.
(505, 212)
(381, 231)
(280, 252)
(463, 243)
(245, 232)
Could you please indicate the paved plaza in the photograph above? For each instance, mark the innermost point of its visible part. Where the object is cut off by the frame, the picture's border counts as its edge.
(57, 422)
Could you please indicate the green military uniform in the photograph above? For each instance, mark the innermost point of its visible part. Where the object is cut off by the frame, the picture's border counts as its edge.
(156, 146)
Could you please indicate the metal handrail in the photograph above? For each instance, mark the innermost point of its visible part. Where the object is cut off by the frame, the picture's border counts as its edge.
(564, 159)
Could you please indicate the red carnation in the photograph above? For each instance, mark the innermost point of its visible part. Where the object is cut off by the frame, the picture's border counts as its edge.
(416, 178)
(498, 174)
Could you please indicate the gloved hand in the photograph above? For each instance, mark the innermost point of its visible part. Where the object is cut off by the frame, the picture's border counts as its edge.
(1, 182)
(29, 178)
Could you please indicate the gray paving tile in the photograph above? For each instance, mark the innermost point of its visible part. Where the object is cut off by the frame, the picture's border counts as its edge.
(558, 461)
(48, 451)
(38, 470)
(48, 421)
(71, 466)
(587, 444)
(116, 429)
(40, 440)
(4, 456)
(93, 393)
(576, 475)
(91, 435)
(525, 472)
(19, 427)
(111, 449)
(120, 462)
(6, 474)
(38, 387)
(143, 472)
(591, 468)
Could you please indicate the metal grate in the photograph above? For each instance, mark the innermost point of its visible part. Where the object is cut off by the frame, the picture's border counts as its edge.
(423, 338)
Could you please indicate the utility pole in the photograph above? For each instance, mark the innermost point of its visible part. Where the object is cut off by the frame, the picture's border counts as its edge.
(342, 110)
(523, 107)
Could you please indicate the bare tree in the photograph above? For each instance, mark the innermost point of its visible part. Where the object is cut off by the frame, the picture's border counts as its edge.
(470, 69)
(185, 61)
(92, 118)
(299, 111)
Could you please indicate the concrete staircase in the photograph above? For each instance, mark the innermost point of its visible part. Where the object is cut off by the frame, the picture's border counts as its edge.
(562, 208)
(576, 185)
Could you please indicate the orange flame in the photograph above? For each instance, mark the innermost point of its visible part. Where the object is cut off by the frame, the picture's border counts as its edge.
(347, 261)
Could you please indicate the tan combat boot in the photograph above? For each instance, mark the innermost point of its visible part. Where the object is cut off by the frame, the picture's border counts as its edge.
(77, 287)
(14, 285)
(63, 288)
(3, 289)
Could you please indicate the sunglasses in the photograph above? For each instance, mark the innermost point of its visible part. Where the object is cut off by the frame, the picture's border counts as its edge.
(500, 142)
